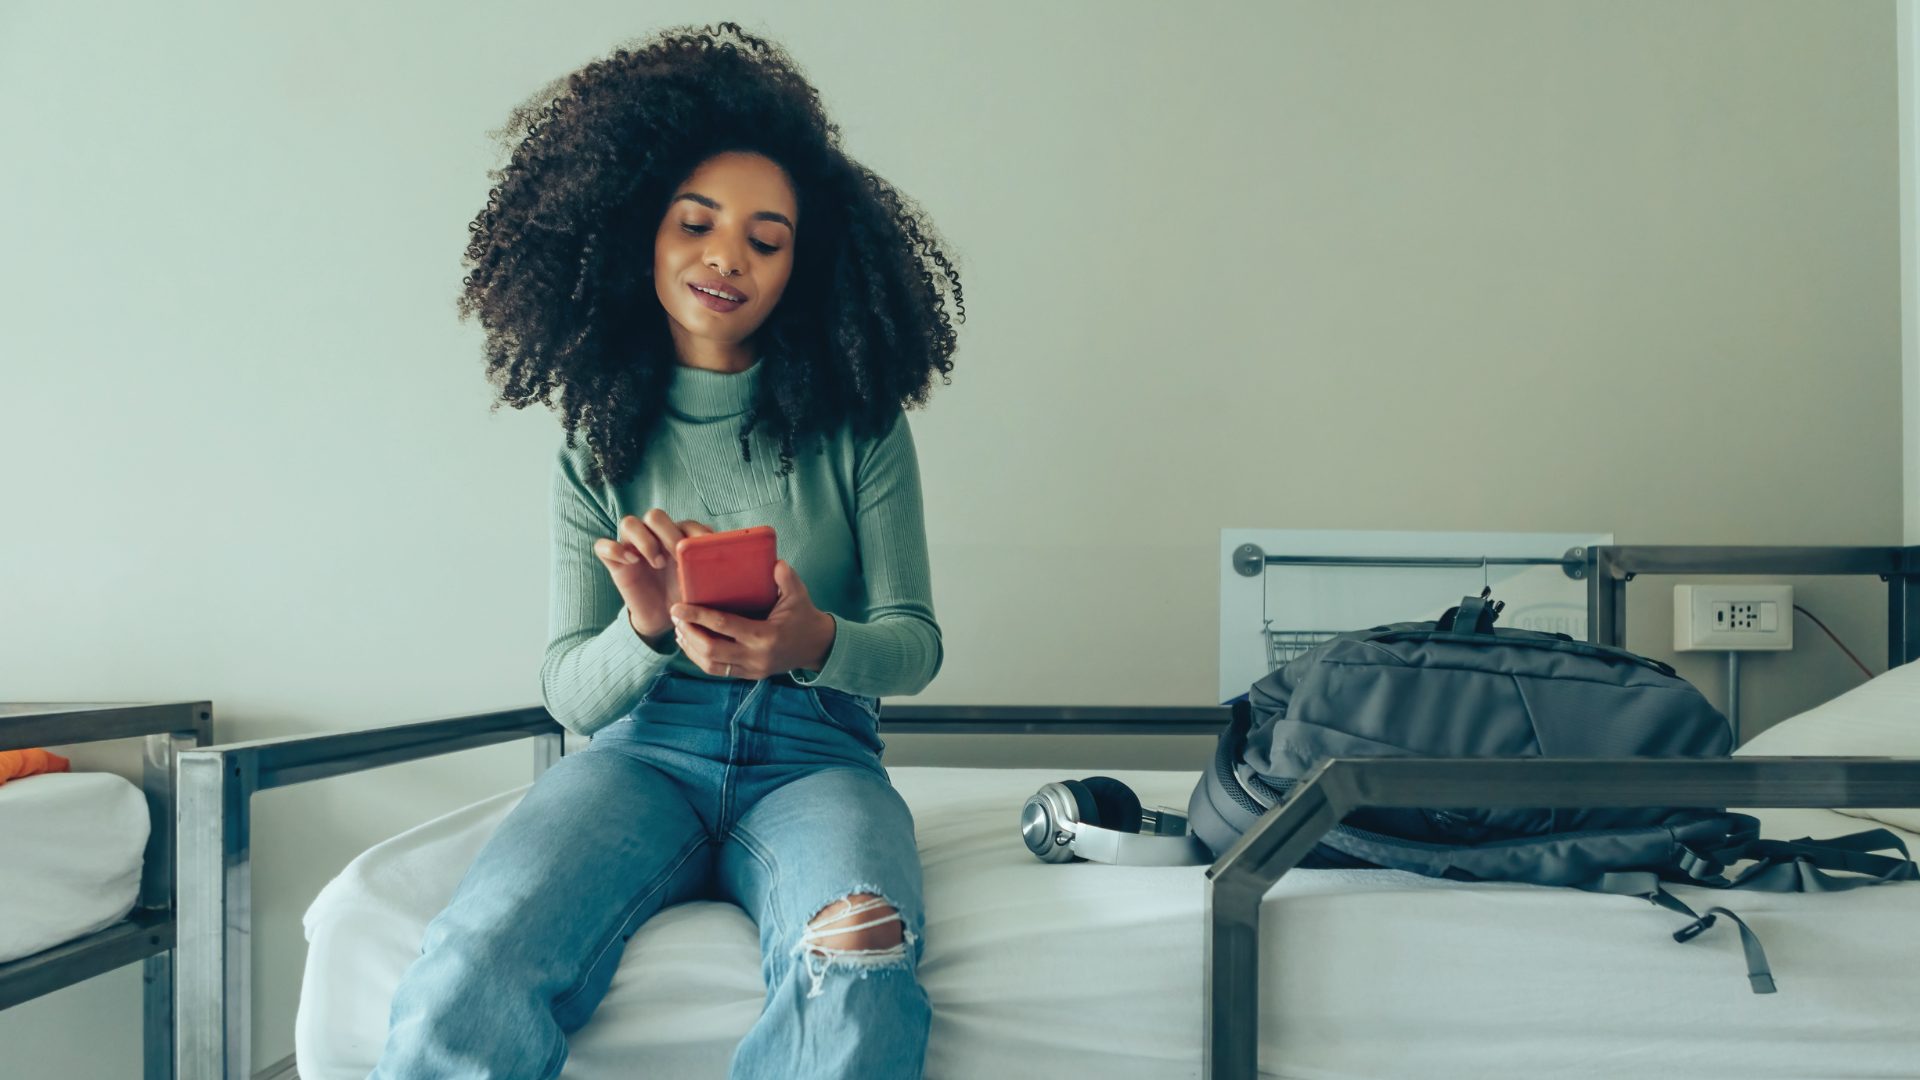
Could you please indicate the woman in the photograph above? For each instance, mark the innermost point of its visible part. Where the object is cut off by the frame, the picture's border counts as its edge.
(680, 261)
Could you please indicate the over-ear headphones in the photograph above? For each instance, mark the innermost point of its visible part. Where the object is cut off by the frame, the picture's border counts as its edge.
(1101, 819)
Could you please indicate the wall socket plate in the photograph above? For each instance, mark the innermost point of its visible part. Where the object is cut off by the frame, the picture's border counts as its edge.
(1727, 617)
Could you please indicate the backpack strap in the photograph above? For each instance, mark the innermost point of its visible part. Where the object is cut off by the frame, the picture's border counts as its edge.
(1759, 974)
(1796, 865)
(1646, 885)
(1780, 866)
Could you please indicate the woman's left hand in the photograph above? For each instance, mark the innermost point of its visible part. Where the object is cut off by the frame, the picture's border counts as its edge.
(795, 634)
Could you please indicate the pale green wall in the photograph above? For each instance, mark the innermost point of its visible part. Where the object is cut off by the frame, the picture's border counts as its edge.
(1909, 36)
(1542, 266)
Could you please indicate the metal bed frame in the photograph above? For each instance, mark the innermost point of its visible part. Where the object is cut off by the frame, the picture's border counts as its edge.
(217, 785)
(147, 933)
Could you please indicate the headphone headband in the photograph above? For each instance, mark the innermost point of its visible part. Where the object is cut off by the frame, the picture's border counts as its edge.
(1059, 823)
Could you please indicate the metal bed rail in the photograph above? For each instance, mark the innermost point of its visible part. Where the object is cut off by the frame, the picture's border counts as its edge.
(213, 1039)
(217, 784)
(214, 1031)
(1240, 878)
(147, 934)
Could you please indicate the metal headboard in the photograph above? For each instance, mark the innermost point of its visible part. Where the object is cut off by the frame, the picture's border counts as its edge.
(1606, 568)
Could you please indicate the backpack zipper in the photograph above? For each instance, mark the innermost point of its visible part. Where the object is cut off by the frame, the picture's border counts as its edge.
(1577, 648)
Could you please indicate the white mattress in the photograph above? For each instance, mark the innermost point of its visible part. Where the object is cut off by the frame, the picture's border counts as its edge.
(71, 849)
(1085, 970)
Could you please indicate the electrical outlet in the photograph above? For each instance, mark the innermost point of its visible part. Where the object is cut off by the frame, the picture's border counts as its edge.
(1732, 617)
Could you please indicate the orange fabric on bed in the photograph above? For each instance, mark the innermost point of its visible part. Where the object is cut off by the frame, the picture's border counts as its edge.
(15, 764)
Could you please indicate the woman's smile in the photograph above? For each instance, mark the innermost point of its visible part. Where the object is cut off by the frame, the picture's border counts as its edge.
(717, 296)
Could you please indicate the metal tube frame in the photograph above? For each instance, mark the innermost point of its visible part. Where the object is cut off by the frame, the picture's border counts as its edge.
(147, 935)
(217, 785)
(214, 1039)
(1240, 878)
(1611, 566)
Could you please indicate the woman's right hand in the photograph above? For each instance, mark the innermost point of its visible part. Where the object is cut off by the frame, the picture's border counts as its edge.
(640, 560)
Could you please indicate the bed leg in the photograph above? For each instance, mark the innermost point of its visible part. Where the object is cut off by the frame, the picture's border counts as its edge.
(160, 758)
(1903, 614)
(1232, 1014)
(213, 959)
(157, 994)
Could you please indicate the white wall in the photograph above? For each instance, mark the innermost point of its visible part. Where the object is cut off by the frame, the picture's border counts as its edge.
(1909, 47)
(1631, 267)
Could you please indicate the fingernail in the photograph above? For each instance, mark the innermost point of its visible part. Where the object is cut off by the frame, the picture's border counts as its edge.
(659, 562)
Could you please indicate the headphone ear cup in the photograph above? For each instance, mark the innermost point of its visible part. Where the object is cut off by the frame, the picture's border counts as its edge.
(1086, 805)
(1119, 807)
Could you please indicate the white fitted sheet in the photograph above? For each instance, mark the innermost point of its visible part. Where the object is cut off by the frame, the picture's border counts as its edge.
(1083, 970)
(71, 849)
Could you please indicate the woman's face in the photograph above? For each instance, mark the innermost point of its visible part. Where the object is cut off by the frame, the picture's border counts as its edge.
(729, 228)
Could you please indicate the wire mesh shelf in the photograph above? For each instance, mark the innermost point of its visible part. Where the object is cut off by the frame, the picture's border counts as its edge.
(1284, 645)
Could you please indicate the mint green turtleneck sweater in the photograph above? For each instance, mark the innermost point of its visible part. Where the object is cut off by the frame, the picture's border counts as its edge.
(848, 521)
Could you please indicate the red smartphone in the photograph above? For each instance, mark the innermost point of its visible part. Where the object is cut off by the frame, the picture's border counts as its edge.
(729, 571)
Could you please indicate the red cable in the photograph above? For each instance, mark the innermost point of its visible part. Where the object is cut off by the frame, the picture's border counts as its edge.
(1836, 640)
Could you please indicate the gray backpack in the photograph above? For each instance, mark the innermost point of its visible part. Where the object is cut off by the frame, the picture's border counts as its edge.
(1459, 687)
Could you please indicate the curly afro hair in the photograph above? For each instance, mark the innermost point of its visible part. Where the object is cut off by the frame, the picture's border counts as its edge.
(559, 258)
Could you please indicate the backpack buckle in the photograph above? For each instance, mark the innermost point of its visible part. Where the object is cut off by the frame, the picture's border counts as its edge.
(1694, 929)
(1698, 864)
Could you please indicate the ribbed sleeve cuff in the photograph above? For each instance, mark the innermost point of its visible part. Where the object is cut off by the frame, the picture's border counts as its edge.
(867, 659)
(669, 647)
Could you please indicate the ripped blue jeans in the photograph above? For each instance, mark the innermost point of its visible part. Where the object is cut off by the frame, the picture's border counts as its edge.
(767, 794)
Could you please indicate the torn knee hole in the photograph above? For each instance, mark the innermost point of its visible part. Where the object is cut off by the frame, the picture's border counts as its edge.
(861, 932)
(861, 921)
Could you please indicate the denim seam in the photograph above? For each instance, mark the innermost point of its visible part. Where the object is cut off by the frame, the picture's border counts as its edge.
(626, 917)
(555, 1061)
(764, 856)
(727, 773)
(813, 694)
(647, 688)
(820, 709)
